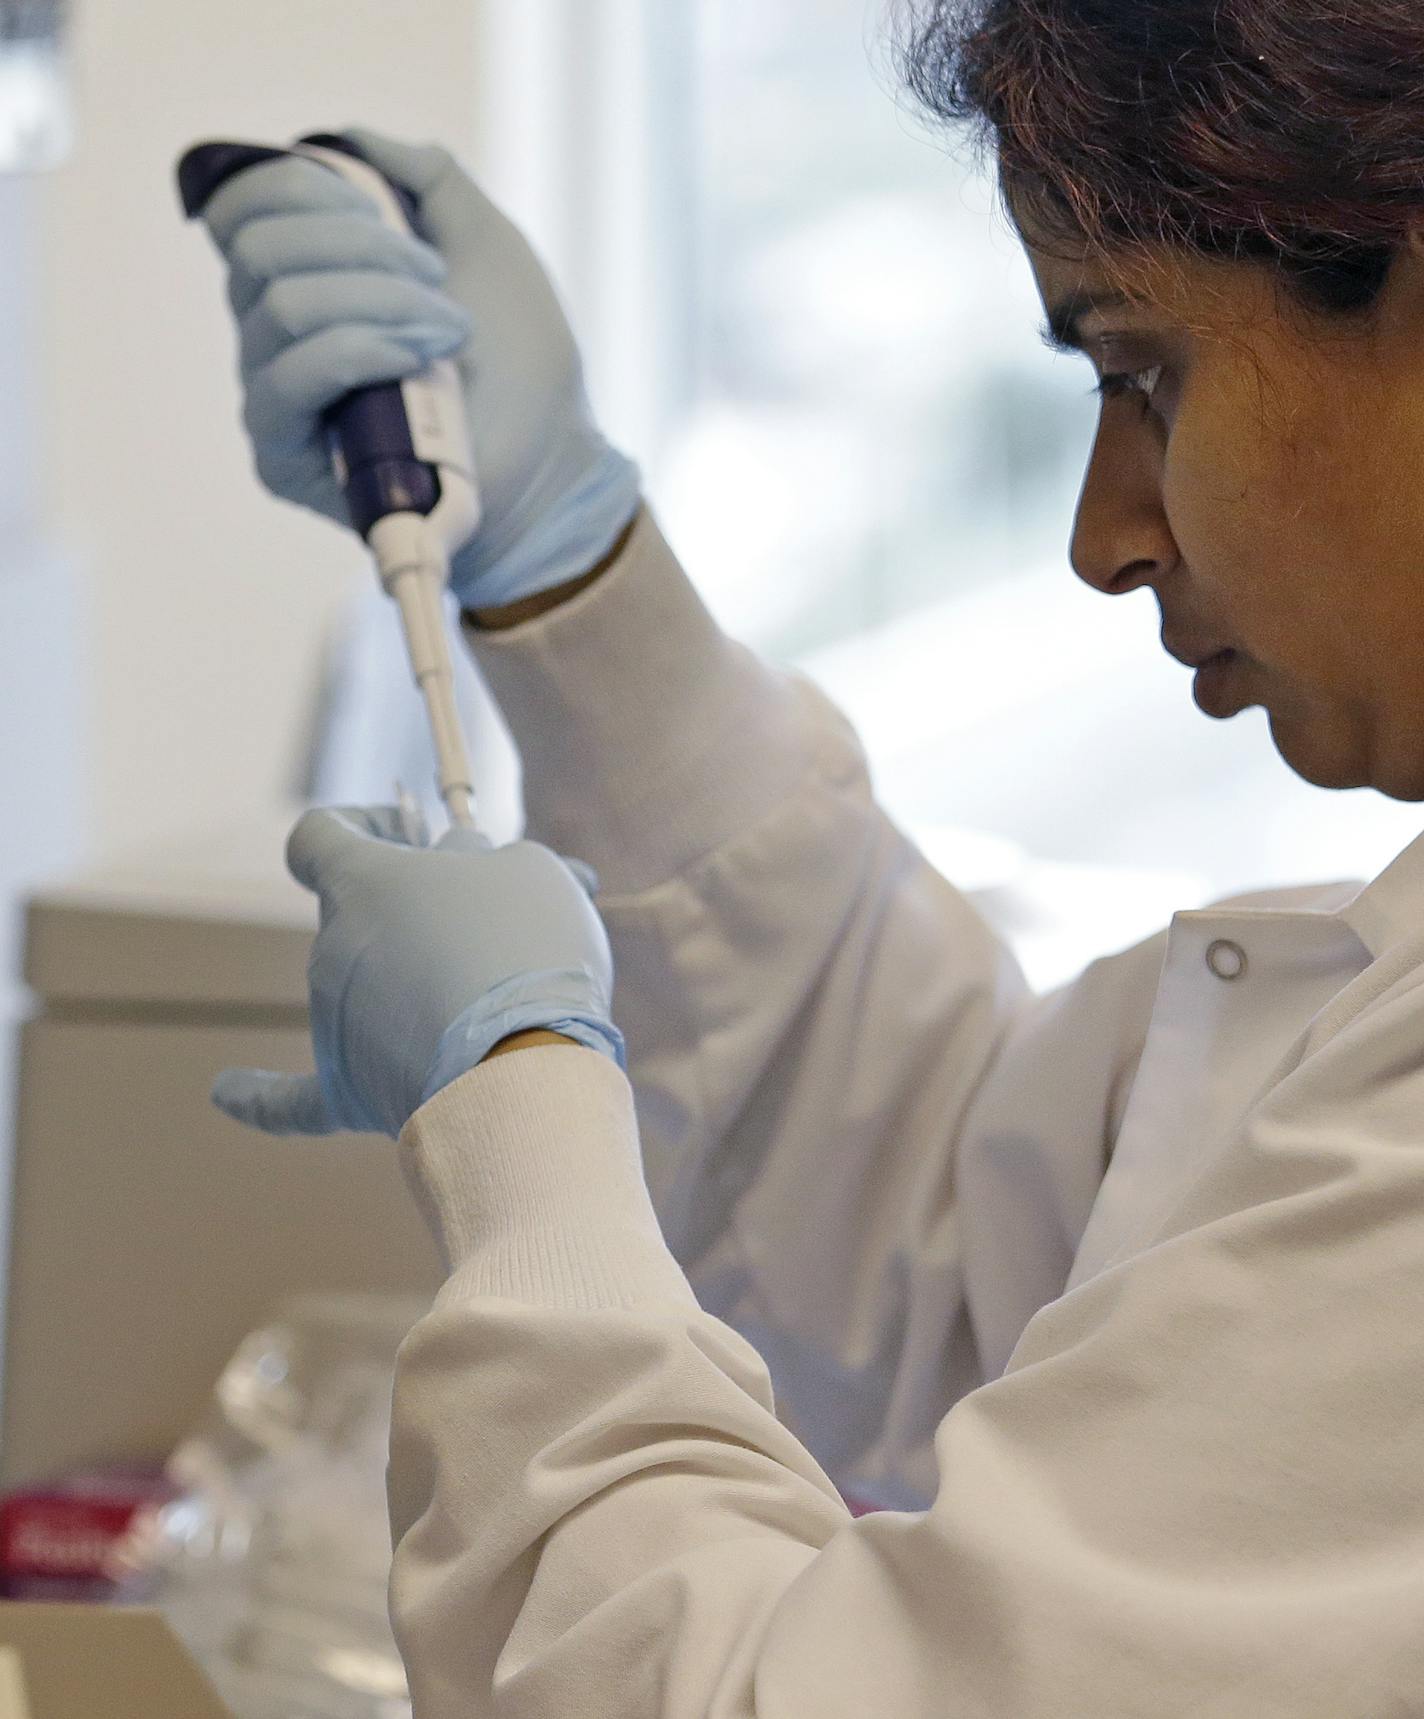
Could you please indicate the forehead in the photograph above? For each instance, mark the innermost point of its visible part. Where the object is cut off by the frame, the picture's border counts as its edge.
(1194, 290)
(1066, 272)
(1180, 295)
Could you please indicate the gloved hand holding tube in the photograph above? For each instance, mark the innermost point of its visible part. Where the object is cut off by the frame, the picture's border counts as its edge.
(328, 300)
(425, 960)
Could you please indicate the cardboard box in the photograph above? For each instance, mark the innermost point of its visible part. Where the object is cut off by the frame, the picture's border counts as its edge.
(149, 1234)
(64, 1662)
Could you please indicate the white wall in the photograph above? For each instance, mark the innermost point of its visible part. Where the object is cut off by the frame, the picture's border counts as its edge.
(203, 600)
(587, 125)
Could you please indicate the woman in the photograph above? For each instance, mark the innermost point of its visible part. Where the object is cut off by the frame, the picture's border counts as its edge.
(1114, 1297)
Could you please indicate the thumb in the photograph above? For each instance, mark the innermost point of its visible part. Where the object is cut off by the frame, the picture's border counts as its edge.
(419, 167)
(461, 839)
(455, 214)
(274, 1103)
(327, 838)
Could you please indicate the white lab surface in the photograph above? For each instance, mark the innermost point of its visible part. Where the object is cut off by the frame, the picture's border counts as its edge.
(1115, 1296)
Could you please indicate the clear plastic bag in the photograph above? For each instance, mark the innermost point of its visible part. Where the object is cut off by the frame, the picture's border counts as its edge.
(272, 1562)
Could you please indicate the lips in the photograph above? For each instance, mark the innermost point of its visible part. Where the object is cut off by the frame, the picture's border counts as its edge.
(1194, 656)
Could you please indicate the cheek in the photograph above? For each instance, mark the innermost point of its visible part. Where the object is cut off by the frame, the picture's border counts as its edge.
(1228, 497)
(1267, 513)
(1350, 530)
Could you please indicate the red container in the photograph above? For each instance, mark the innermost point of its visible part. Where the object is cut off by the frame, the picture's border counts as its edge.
(56, 1537)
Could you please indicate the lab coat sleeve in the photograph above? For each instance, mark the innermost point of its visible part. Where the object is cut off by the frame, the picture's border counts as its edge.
(809, 1006)
(1195, 1490)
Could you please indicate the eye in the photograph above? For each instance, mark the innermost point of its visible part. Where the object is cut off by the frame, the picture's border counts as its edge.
(1140, 382)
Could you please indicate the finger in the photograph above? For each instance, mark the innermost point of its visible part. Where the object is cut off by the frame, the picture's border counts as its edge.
(321, 843)
(297, 307)
(301, 471)
(274, 1103)
(293, 185)
(273, 246)
(332, 838)
(461, 839)
(300, 383)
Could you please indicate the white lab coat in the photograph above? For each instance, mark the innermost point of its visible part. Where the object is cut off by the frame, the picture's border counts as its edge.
(1115, 1296)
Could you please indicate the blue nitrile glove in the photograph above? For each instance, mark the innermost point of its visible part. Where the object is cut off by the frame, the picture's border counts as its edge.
(328, 299)
(427, 958)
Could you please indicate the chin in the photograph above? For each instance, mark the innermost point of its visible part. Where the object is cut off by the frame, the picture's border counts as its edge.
(1407, 784)
(1325, 760)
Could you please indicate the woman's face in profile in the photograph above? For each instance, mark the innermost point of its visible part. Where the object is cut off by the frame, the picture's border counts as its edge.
(1263, 473)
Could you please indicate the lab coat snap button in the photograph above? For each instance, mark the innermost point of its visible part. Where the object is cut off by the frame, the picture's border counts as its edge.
(1226, 960)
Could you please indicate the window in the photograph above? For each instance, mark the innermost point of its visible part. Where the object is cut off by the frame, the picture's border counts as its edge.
(870, 395)
(870, 466)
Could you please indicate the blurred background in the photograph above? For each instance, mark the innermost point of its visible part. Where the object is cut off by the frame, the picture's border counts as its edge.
(799, 312)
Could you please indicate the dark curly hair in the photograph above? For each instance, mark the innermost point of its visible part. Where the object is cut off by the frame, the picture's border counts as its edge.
(1288, 133)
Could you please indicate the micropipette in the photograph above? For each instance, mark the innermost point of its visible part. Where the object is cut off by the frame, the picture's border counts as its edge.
(401, 452)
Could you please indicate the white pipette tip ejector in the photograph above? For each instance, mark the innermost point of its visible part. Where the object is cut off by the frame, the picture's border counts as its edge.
(412, 562)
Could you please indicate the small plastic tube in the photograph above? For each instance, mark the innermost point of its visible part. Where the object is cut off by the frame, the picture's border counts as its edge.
(412, 819)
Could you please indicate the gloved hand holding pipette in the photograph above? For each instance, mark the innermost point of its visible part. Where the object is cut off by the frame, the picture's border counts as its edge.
(328, 301)
(398, 448)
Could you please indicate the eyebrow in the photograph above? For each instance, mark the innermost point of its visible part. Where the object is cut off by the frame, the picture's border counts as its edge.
(1060, 333)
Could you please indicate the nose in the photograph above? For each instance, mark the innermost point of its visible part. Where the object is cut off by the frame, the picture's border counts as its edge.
(1121, 538)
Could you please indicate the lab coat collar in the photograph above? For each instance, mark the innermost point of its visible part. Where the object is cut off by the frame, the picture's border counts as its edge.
(1381, 914)
(1390, 908)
